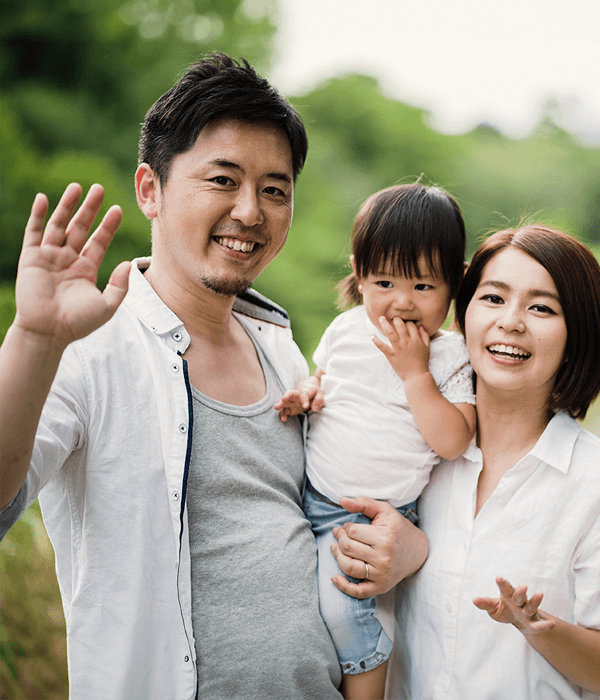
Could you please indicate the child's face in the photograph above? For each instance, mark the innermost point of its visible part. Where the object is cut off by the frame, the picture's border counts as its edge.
(423, 299)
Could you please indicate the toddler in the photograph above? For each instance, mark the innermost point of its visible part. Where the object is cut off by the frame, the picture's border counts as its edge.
(392, 394)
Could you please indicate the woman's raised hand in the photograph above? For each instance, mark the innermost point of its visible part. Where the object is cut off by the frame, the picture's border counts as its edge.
(515, 608)
(56, 292)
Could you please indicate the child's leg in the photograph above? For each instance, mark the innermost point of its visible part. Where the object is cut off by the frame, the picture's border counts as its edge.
(365, 686)
(361, 643)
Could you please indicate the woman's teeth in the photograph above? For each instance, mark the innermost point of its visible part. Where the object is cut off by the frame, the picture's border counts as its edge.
(509, 350)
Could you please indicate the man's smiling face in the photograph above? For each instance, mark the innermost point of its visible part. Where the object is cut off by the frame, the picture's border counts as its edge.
(226, 208)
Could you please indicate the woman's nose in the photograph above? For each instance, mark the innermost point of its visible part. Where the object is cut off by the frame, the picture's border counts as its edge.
(511, 319)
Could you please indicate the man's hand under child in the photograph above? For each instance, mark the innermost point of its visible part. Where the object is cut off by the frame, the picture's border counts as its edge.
(305, 396)
(408, 353)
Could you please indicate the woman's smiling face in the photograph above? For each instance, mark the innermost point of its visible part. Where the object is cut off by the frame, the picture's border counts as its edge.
(515, 327)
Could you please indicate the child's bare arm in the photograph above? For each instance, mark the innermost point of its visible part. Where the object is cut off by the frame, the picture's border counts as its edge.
(448, 428)
(305, 396)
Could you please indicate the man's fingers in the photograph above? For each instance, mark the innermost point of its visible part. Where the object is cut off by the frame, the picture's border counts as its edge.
(81, 223)
(34, 230)
(54, 233)
(98, 242)
(116, 289)
(364, 589)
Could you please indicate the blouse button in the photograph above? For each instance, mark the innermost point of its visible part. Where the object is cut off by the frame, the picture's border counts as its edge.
(183, 428)
(186, 659)
(175, 496)
(174, 367)
(177, 336)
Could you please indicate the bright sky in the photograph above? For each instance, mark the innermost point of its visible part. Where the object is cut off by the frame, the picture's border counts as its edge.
(464, 61)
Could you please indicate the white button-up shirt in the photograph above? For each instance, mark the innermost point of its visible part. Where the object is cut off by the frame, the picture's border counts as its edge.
(110, 466)
(540, 527)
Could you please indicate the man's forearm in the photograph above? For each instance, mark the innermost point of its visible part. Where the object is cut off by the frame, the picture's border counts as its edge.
(28, 365)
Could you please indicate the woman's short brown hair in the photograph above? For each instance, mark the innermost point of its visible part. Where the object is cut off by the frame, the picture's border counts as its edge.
(576, 275)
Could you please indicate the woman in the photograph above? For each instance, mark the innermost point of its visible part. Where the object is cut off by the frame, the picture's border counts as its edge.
(522, 505)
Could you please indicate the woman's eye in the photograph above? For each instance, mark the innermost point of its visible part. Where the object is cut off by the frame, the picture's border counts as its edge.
(492, 298)
(541, 308)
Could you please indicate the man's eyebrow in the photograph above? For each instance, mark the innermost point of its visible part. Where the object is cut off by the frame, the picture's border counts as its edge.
(530, 292)
(224, 163)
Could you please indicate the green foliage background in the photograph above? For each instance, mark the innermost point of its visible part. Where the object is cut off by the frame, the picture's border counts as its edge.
(77, 77)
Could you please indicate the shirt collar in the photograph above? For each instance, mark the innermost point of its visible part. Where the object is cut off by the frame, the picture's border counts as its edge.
(151, 310)
(554, 447)
(557, 442)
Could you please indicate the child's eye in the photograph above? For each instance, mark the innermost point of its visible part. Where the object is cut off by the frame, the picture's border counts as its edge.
(386, 284)
(422, 287)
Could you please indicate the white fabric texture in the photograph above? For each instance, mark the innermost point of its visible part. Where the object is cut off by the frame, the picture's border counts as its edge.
(365, 441)
(539, 527)
(113, 441)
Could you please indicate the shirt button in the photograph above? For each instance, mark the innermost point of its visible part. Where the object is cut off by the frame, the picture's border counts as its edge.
(177, 336)
(186, 659)
(175, 496)
(174, 368)
(183, 428)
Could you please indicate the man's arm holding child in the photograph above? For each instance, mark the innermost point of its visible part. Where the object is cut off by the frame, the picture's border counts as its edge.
(57, 302)
(448, 428)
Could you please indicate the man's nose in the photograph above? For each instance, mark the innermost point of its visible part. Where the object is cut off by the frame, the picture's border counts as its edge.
(247, 207)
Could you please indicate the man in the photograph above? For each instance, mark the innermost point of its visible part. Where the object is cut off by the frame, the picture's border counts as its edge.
(169, 488)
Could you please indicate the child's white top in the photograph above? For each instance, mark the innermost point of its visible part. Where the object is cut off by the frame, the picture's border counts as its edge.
(365, 442)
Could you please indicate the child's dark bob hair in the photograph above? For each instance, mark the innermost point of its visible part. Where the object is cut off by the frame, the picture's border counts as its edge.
(395, 226)
(576, 275)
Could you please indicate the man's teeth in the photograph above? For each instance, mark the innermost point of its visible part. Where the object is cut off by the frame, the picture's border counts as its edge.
(509, 350)
(236, 244)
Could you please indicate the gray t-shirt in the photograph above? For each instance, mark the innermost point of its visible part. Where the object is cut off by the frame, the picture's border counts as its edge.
(255, 610)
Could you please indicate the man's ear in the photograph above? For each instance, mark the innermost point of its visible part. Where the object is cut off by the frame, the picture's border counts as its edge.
(147, 190)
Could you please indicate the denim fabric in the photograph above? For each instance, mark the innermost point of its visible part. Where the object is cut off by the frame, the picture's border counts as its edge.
(360, 641)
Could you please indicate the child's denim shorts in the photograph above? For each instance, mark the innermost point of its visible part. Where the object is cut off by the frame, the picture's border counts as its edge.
(360, 641)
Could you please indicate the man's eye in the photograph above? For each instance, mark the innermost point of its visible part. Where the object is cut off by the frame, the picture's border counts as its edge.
(222, 180)
(274, 191)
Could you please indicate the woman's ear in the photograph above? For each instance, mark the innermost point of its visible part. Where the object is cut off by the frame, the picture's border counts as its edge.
(147, 190)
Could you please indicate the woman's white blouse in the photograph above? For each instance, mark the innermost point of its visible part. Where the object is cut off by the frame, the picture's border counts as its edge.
(540, 527)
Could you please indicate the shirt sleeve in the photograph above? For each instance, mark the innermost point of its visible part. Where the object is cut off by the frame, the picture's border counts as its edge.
(451, 369)
(13, 511)
(458, 388)
(321, 354)
(63, 424)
